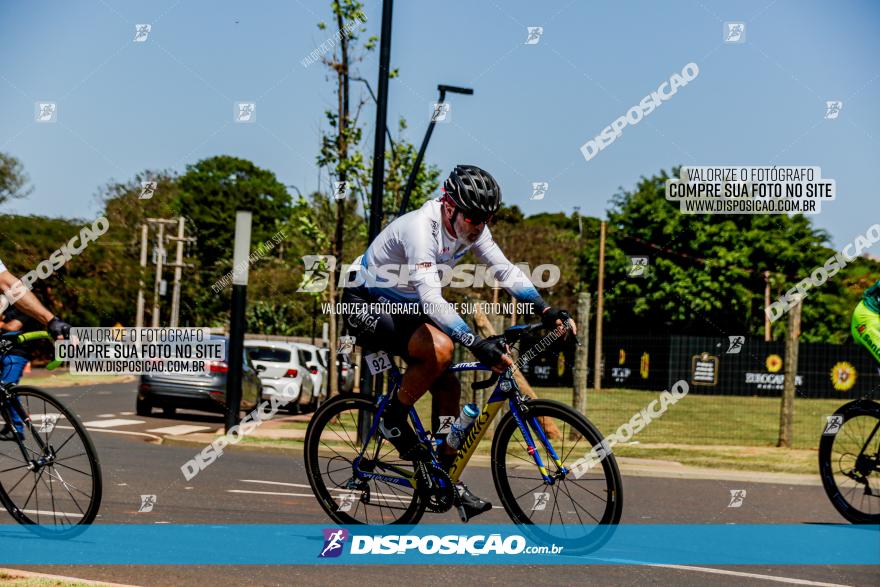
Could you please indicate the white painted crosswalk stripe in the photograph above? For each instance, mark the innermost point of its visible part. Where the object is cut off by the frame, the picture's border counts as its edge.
(112, 423)
(179, 429)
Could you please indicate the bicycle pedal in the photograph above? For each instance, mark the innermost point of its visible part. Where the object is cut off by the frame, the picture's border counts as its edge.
(462, 514)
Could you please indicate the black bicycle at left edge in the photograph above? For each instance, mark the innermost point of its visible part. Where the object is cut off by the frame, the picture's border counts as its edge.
(50, 476)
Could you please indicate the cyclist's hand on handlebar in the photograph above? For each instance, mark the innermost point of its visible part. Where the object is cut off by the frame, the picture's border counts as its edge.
(58, 328)
(554, 319)
(493, 353)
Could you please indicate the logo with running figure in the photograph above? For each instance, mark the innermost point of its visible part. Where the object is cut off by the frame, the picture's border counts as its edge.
(334, 538)
(734, 32)
(832, 109)
(534, 35)
(441, 112)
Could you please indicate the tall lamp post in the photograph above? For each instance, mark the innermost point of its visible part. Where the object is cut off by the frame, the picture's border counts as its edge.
(411, 181)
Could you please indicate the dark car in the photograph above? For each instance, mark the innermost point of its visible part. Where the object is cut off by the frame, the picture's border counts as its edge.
(204, 391)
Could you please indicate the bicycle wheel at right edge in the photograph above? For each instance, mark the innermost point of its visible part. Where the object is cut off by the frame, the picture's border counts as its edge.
(331, 447)
(56, 492)
(577, 512)
(849, 461)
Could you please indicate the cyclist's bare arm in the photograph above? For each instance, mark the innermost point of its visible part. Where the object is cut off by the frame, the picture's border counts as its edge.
(28, 303)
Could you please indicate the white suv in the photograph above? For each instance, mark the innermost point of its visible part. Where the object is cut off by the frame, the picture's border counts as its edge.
(316, 368)
(286, 373)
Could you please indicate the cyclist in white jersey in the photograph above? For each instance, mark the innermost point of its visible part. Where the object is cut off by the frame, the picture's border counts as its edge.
(19, 304)
(424, 243)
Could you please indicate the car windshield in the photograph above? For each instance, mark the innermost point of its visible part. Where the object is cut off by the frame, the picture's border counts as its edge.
(268, 354)
(322, 358)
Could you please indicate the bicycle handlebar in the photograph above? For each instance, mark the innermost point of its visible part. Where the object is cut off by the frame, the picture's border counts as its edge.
(26, 337)
(487, 383)
(32, 336)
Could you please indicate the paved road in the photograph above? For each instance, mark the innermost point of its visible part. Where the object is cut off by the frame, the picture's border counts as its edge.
(245, 486)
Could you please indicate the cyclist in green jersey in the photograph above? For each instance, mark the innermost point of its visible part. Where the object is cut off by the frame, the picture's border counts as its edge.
(866, 320)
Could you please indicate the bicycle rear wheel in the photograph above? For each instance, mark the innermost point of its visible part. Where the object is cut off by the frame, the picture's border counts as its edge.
(849, 462)
(331, 447)
(576, 512)
(50, 479)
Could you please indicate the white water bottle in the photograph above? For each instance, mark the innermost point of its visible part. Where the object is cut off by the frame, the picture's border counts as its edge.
(462, 424)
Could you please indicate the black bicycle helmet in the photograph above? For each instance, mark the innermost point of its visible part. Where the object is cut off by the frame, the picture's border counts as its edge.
(473, 190)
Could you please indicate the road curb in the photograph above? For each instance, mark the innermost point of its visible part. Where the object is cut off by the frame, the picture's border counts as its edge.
(19, 574)
(630, 467)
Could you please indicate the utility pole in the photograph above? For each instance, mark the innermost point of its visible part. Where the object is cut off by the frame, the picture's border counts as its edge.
(237, 323)
(160, 264)
(767, 333)
(377, 186)
(140, 301)
(786, 411)
(160, 252)
(178, 270)
(579, 400)
(600, 299)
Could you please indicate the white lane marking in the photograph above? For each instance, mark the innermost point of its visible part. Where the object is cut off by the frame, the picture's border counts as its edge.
(384, 496)
(51, 513)
(126, 413)
(494, 507)
(179, 429)
(62, 395)
(790, 580)
(126, 432)
(112, 423)
(269, 493)
(49, 416)
(106, 416)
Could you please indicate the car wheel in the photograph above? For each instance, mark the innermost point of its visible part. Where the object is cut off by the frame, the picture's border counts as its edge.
(143, 408)
(169, 411)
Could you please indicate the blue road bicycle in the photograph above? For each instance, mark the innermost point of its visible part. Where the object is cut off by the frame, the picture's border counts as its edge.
(359, 478)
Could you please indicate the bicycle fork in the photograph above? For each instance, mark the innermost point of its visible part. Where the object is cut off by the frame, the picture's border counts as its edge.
(532, 448)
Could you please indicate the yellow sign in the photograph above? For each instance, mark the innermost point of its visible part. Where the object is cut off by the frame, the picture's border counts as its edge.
(621, 358)
(645, 365)
(843, 376)
(774, 363)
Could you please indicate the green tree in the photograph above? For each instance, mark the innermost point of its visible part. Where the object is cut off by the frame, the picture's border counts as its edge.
(212, 190)
(706, 271)
(13, 178)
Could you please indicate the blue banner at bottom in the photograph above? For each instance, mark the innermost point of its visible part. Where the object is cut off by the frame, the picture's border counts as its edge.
(810, 544)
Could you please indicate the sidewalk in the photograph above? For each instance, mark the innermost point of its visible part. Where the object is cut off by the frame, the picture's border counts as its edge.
(635, 467)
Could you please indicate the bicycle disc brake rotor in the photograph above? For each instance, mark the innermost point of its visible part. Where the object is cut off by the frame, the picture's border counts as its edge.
(440, 499)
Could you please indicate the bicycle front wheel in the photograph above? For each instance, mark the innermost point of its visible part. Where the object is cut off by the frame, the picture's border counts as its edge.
(577, 512)
(50, 476)
(332, 448)
(849, 461)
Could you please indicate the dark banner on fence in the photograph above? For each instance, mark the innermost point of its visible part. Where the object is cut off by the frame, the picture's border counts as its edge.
(717, 366)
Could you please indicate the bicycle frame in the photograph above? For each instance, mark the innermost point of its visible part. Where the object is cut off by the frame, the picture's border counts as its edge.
(505, 389)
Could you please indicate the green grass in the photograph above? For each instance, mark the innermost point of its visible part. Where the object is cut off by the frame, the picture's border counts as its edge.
(66, 379)
(705, 419)
(723, 432)
(18, 581)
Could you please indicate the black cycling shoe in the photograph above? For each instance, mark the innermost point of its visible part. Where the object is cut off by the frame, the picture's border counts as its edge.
(469, 505)
(399, 433)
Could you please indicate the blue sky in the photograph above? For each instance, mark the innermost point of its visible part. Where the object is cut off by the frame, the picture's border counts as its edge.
(124, 107)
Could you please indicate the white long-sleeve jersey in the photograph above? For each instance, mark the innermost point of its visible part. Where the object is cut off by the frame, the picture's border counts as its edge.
(418, 241)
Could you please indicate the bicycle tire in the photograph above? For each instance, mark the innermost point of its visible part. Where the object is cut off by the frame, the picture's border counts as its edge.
(588, 432)
(849, 411)
(88, 515)
(331, 408)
